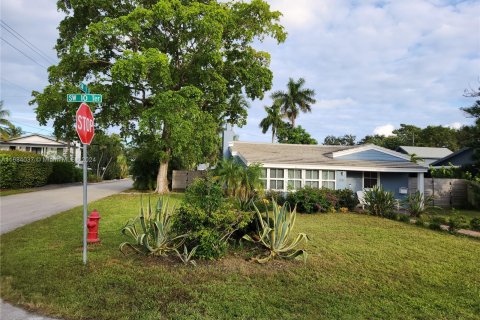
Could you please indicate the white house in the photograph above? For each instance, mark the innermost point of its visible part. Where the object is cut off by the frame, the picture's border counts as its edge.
(44, 145)
(293, 166)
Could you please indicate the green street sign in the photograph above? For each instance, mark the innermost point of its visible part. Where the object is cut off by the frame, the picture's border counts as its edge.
(97, 98)
(84, 87)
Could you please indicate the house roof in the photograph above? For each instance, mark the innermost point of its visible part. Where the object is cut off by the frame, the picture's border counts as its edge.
(325, 156)
(35, 139)
(426, 152)
(467, 152)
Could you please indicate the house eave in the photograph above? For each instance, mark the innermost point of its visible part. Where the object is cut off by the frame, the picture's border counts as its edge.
(342, 168)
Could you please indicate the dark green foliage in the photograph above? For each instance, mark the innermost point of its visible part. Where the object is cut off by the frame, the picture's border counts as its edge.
(205, 194)
(475, 224)
(208, 219)
(404, 218)
(456, 222)
(311, 200)
(64, 172)
(144, 168)
(379, 202)
(20, 169)
(209, 231)
(346, 199)
(294, 135)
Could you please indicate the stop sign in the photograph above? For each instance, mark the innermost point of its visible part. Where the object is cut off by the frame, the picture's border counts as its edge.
(85, 125)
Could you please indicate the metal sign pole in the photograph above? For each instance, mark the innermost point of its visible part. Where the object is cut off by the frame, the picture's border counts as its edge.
(84, 204)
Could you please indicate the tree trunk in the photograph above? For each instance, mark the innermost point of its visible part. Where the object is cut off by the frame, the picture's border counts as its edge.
(162, 180)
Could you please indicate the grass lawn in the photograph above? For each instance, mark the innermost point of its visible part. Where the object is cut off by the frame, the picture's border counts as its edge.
(9, 192)
(461, 212)
(359, 267)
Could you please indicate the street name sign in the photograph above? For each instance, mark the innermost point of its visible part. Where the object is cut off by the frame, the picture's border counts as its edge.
(85, 124)
(75, 97)
(84, 87)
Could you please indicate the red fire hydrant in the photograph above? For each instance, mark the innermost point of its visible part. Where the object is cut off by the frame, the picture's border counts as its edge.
(92, 225)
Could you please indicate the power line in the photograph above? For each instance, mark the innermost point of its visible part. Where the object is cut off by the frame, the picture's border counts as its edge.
(26, 42)
(27, 125)
(11, 45)
(16, 85)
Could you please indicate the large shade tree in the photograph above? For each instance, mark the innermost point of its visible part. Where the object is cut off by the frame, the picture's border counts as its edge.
(273, 120)
(167, 69)
(295, 100)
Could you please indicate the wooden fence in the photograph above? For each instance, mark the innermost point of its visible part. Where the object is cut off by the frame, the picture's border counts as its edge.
(447, 193)
(181, 179)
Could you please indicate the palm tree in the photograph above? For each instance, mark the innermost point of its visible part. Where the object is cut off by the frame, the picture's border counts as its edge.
(5, 124)
(273, 119)
(296, 99)
(229, 173)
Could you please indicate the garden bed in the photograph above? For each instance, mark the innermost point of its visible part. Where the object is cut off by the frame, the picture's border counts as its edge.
(359, 266)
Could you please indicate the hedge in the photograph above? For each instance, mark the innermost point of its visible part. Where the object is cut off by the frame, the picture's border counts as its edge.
(65, 172)
(19, 169)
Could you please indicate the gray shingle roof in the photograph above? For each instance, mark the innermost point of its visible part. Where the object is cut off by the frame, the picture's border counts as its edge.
(427, 152)
(310, 155)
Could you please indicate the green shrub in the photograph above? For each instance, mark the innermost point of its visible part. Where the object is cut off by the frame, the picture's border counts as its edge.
(209, 232)
(416, 203)
(436, 223)
(144, 168)
(475, 224)
(64, 172)
(456, 222)
(404, 218)
(311, 200)
(379, 202)
(346, 198)
(205, 193)
(19, 169)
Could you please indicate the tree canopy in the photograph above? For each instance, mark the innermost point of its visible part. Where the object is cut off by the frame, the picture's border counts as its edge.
(294, 135)
(346, 140)
(168, 70)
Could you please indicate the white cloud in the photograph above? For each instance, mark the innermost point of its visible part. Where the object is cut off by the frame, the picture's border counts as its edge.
(455, 125)
(385, 130)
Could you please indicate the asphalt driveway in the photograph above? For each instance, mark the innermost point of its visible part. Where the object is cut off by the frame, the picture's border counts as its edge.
(21, 209)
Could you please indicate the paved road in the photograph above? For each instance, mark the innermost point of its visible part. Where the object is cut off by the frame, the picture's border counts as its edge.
(21, 209)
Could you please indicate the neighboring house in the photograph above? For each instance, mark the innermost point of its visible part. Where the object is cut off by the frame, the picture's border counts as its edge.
(292, 166)
(427, 155)
(463, 157)
(44, 145)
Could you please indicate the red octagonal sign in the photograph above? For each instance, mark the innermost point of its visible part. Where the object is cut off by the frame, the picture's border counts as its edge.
(85, 124)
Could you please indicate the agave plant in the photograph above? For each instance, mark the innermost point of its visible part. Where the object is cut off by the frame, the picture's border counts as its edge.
(274, 233)
(151, 231)
(186, 256)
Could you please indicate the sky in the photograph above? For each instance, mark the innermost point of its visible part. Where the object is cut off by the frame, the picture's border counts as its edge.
(373, 64)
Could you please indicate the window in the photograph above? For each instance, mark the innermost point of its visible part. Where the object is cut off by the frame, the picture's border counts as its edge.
(263, 178)
(370, 179)
(276, 179)
(312, 178)
(12, 148)
(37, 150)
(328, 179)
(294, 179)
(59, 151)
